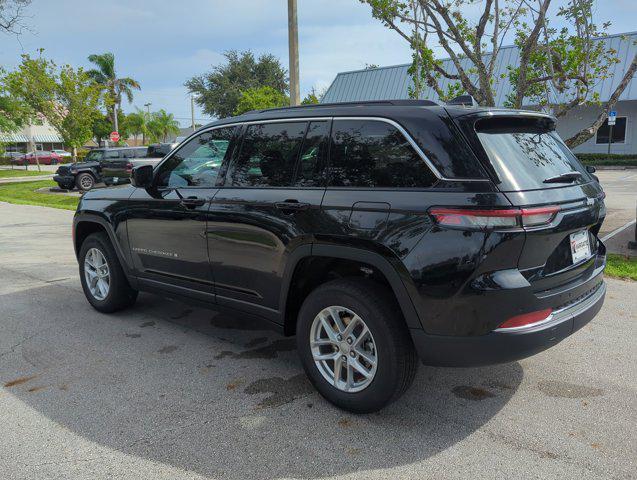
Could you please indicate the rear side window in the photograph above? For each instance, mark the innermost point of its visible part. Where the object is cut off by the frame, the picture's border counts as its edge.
(526, 153)
(268, 155)
(373, 153)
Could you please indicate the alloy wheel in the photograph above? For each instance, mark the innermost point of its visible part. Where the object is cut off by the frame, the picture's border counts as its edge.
(97, 274)
(343, 349)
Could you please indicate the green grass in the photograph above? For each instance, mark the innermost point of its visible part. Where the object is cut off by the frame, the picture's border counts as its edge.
(25, 194)
(619, 266)
(21, 173)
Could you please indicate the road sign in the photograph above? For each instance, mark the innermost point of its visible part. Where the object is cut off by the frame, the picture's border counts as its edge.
(612, 117)
(114, 137)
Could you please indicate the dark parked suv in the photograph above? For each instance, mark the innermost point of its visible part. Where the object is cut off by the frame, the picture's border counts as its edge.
(378, 233)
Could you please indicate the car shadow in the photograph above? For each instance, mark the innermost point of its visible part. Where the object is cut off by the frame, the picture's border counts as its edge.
(220, 395)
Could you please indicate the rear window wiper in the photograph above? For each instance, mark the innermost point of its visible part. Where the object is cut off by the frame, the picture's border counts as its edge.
(567, 177)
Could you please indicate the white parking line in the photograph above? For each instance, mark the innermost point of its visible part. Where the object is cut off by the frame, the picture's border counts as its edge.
(618, 230)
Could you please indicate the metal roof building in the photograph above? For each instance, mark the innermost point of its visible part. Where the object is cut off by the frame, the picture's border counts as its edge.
(393, 82)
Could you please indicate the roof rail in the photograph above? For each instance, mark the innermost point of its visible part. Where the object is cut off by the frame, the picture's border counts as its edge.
(404, 103)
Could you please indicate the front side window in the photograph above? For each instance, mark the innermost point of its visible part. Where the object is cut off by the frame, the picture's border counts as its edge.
(268, 155)
(619, 132)
(373, 153)
(94, 156)
(196, 163)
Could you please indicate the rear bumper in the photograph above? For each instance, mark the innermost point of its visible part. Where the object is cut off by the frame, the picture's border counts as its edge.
(500, 346)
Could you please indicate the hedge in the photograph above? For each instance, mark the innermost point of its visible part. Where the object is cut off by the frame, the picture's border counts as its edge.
(603, 159)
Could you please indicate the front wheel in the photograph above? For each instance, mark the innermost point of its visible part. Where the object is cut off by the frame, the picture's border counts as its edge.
(85, 181)
(355, 346)
(103, 280)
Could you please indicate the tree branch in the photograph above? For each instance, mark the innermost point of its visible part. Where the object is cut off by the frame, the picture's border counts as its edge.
(588, 133)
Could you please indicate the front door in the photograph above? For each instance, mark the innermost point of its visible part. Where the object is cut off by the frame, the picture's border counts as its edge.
(270, 205)
(167, 223)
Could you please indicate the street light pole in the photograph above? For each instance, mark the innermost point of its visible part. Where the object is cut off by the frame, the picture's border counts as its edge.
(293, 40)
(147, 105)
(192, 112)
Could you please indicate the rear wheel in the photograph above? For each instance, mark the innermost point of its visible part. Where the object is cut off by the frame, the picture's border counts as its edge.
(103, 280)
(354, 345)
(85, 181)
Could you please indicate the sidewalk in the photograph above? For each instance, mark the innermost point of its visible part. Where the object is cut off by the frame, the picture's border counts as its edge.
(33, 178)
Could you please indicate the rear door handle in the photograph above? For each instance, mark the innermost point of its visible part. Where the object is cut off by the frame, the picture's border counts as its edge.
(292, 205)
(192, 202)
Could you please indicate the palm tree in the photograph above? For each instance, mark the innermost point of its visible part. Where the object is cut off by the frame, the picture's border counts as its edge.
(164, 124)
(137, 123)
(106, 76)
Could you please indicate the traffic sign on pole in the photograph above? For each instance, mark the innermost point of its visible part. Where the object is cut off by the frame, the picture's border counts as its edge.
(114, 137)
(612, 117)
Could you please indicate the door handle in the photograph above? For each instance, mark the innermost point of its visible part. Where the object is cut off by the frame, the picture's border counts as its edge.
(192, 202)
(292, 205)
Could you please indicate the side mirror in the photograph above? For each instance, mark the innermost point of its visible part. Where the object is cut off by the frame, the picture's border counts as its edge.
(590, 169)
(142, 176)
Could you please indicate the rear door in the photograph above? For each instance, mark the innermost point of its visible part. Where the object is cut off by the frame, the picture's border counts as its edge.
(535, 169)
(268, 206)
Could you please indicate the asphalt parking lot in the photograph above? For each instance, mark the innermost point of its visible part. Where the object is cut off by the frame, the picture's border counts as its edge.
(165, 390)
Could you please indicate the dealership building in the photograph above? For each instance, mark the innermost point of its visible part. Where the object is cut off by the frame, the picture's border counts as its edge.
(394, 82)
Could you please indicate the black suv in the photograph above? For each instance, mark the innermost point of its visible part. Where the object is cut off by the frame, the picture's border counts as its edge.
(109, 165)
(376, 232)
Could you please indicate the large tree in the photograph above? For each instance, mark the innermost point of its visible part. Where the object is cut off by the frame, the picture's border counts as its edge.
(114, 87)
(12, 14)
(557, 67)
(65, 97)
(219, 91)
(260, 98)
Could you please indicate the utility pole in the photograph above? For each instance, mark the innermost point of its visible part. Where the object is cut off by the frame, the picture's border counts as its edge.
(192, 112)
(293, 40)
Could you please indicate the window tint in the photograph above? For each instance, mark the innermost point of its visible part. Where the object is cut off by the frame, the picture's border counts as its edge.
(268, 155)
(371, 153)
(196, 163)
(619, 132)
(311, 169)
(524, 154)
(110, 154)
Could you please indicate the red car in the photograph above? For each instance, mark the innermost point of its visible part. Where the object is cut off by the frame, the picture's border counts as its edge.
(44, 158)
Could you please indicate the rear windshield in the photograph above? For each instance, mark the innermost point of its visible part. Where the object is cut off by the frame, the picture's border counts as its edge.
(528, 155)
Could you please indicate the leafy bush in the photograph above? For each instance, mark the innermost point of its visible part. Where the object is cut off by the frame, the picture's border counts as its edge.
(603, 159)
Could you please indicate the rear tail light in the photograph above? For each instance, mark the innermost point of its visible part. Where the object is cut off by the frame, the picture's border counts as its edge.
(495, 218)
(129, 167)
(526, 320)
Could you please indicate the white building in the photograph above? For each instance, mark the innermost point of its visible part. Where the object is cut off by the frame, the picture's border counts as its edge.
(40, 137)
(391, 83)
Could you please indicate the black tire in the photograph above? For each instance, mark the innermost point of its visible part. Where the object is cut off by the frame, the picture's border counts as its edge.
(54, 162)
(84, 181)
(397, 359)
(120, 293)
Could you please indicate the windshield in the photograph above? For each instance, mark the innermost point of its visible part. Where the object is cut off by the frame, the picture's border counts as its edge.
(94, 156)
(525, 156)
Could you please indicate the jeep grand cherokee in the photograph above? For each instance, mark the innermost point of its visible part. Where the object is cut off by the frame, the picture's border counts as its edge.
(378, 233)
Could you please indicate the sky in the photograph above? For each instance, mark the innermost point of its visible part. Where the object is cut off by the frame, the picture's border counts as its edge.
(162, 43)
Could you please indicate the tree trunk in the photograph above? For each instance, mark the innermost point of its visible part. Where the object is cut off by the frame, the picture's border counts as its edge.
(74, 154)
(587, 133)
